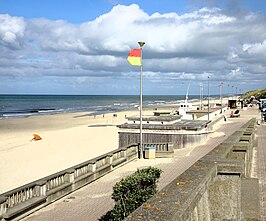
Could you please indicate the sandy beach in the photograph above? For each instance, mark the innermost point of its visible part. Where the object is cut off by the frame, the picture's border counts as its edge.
(67, 140)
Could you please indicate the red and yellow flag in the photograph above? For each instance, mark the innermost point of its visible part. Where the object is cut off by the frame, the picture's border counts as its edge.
(134, 57)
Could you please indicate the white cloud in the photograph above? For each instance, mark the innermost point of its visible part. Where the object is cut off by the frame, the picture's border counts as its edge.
(188, 46)
(256, 48)
(11, 30)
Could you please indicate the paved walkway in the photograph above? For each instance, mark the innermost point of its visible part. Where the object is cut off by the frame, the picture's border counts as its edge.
(94, 200)
(261, 167)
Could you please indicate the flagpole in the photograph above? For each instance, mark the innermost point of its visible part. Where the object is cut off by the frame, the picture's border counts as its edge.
(208, 97)
(222, 97)
(141, 44)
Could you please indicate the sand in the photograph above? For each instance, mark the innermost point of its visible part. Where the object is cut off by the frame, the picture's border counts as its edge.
(67, 140)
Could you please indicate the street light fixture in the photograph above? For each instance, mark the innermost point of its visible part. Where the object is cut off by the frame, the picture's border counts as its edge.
(141, 43)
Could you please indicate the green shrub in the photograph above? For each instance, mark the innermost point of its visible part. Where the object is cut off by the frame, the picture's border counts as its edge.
(133, 191)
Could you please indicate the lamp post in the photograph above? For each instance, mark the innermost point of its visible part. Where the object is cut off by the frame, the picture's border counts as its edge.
(208, 97)
(201, 95)
(141, 44)
(221, 95)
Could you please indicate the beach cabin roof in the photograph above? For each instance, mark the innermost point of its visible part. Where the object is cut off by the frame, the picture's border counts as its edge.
(194, 125)
(169, 118)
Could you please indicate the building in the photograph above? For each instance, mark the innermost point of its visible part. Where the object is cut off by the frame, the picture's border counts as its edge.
(163, 128)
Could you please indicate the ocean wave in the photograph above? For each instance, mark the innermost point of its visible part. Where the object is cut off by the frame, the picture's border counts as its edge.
(27, 112)
(17, 115)
(50, 111)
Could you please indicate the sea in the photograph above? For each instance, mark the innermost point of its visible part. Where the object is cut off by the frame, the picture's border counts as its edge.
(17, 106)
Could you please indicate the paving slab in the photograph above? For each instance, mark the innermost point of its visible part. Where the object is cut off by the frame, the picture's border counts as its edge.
(261, 168)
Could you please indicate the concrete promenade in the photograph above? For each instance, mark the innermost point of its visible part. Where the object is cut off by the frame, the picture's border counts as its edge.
(261, 167)
(94, 200)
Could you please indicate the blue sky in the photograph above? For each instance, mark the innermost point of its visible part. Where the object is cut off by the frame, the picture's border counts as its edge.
(81, 47)
(84, 10)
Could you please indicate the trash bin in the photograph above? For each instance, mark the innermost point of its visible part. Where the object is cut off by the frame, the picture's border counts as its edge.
(149, 152)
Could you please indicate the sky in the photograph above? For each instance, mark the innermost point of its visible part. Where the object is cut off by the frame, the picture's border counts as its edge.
(81, 47)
